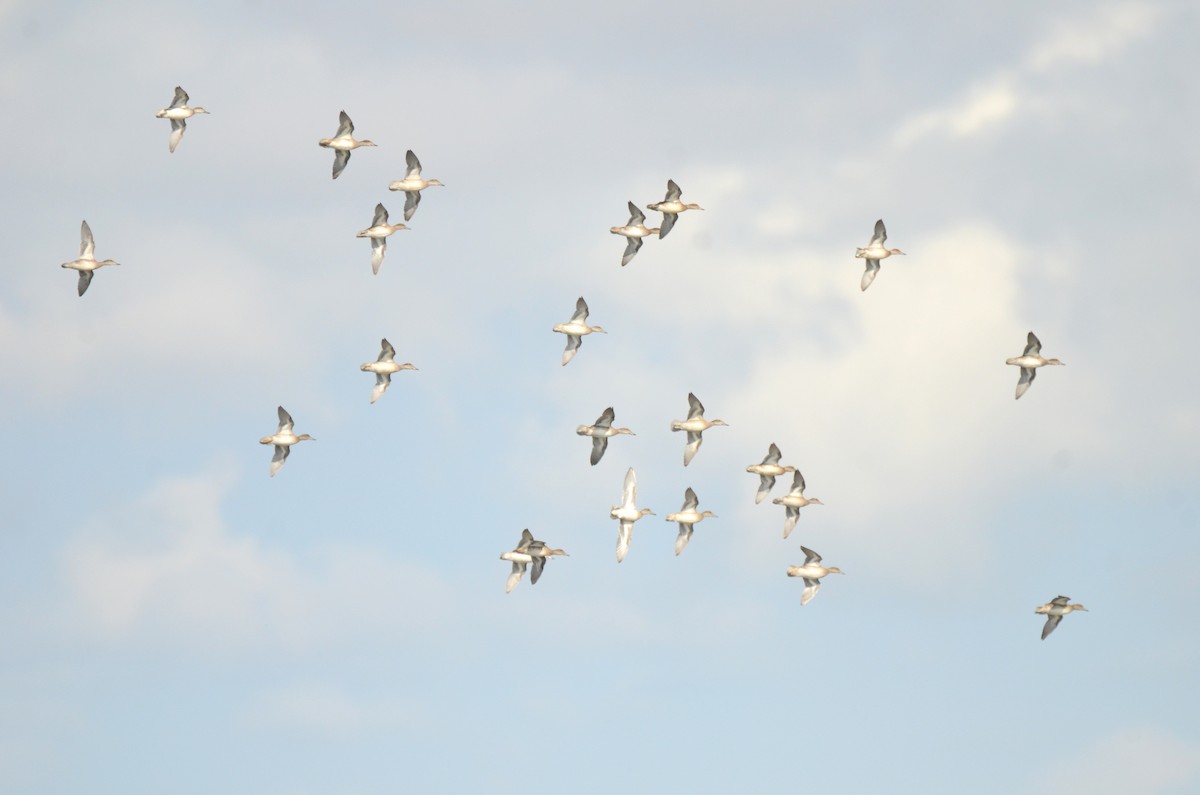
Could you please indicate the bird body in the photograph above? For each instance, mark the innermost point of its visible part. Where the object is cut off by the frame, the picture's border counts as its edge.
(812, 571)
(378, 232)
(412, 185)
(383, 368)
(87, 263)
(601, 432)
(627, 513)
(635, 230)
(687, 517)
(695, 425)
(794, 500)
(576, 329)
(1054, 610)
(528, 551)
(671, 206)
(342, 142)
(178, 112)
(283, 439)
(874, 252)
(1029, 361)
(767, 471)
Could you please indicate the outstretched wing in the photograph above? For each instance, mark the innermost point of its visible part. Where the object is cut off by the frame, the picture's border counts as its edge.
(668, 223)
(180, 98)
(1033, 346)
(690, 501)
(765, 484)
(695, 407)
(599, 445)
(414, 165)
(880, 235)
(673, 191)
(411, 199)
(277, 460)
(178, 127)
(87, 243)
(1026, 379)
(694, 439)
(340, 158)
(810, 557)
(378, 249)
(870, 273)
(581, 311)
(573, 343)
(631, 248)
(636, 218)
(285, 420)
(1051, 623)
(381, 215)
(85, 278)
(345, 126)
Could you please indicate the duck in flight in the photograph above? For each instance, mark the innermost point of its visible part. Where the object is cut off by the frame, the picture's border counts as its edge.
(1029, 361)
(87, 264)
(874, 252)
(342, 142)
(178, 112)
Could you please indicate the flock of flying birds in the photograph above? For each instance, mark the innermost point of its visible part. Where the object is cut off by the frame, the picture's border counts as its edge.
(530, 551)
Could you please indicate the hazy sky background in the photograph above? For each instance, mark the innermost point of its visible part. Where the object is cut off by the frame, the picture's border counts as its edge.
(176, 621)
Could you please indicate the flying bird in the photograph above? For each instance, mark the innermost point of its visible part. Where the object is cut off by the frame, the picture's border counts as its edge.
(379, 231)
(687, 517)
(794, 500)
(87, 264)
(1029, 362)
(528, 550)
(383, 367)
(342, 142)
(600, 433)
(812, 571)
(412, 185)
(671, 207)
(576, 328)
(627, 513)
(178, 112)
(635, 230)
(767, 471)
(695, 424)
(874, 252)
(1054, 610)
(283, 439)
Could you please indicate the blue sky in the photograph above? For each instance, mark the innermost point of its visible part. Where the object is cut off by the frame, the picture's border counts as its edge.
(175, 620)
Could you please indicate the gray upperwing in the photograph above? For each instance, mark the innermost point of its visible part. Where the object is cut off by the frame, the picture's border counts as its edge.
(631, 248)
(1026, 380)
(880, 234)
(180, 98)
(668, 223)
(414, 165)
(381, 215)
(345, 126)
(766, 483)
(581, 311)
(87, 243)
(411, 199)
(1033, 346)
(538, 565)
(599, 445)
(85, 278)
(340, 158)
(636, 217)
(870, 273)
(1051, 623)
(673, 191)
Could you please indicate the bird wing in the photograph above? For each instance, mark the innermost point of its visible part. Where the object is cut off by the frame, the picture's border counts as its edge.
(526, 541)
(695, 407)
(870, 273)
(773, 455)
(285, 420)
(693, 445)
(636, 217)
(411, 199)
(765, 484)
(381, 215)
(673, 191)
(631, 248)
(629, 490)
(573, 343)
(538, 564)
(685, 535)
(789, 524)
(340, 158)
(668, 223)
(180, 98)
(581, 311)
(1033, 346)
(378, 249)
(345, 126)
(518, 569)
(797, 484)
(624, 536)
(690, 501)
(87, 243)
(85, 278)
(879, 237)
(382, 382)
(810, 590)
(414, 165)
(386, 353)
(1025, 381)
(1061, 601)
(599, 445)
(810, 556)
(605, 420)
(1051, 622)
(277, 460)
(178, 126)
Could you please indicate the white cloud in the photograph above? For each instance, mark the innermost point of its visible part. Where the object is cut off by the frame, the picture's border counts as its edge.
(1088, 41)
(167, 569)
(1144, 760)
(1013, 90)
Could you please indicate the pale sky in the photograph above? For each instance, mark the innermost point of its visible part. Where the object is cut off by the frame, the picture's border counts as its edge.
(176, 621)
